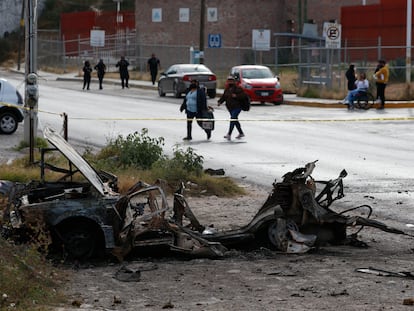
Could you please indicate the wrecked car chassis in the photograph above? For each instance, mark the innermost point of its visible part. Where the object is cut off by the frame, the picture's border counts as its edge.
(82, 219)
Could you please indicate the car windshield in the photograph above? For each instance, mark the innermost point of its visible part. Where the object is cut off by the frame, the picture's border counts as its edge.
(194, 68)
(257, 73)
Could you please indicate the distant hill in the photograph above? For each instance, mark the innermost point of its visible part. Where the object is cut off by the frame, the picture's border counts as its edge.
(10, 12)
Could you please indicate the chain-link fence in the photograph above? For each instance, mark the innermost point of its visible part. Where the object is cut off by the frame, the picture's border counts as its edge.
(314, 64)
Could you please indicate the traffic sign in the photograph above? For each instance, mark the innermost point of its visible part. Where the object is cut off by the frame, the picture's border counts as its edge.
(214, 40)
(332, 33)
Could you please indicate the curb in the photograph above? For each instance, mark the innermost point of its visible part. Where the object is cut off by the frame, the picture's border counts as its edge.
(343, 106)
(299, 102)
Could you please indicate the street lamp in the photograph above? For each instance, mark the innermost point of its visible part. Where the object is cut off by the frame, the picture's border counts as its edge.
(119, 20)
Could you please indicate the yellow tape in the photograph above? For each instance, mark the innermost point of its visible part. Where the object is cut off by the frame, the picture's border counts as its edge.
(248, 120)
(220, 120)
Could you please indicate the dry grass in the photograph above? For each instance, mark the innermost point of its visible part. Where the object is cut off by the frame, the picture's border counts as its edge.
(27, 280)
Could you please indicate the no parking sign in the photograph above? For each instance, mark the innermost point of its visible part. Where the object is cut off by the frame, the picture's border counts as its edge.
(332, 34)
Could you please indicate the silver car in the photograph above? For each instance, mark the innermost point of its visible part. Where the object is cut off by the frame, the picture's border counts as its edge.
(177, 79)
(11, 103)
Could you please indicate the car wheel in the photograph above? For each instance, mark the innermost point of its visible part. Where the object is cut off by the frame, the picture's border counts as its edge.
(160, 92)
(177, 94)
(211, 93)
(274, 235)
(80, 241)
(8, 123)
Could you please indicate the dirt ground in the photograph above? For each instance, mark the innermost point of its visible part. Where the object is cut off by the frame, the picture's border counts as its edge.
(325, 279)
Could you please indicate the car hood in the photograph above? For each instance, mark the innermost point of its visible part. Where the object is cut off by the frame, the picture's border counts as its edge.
(266, 81)
(73, 156)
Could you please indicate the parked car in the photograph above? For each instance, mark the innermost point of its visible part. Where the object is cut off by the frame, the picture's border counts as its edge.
(177, 78)
(11, 103)
(259, 83)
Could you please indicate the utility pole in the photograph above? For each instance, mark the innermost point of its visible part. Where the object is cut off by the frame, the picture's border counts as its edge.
(21, 30)
(202, 29)
(31, 91)
(408, 42)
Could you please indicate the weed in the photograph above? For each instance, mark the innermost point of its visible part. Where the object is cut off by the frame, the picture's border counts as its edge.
(183, 166)
(136, 149)
(39, 143)
(27, 280)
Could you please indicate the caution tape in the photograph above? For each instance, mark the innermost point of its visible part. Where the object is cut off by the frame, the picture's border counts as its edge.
(249, 120)
(215, 120)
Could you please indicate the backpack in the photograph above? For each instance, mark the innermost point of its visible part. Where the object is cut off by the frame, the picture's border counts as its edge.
(245, 103)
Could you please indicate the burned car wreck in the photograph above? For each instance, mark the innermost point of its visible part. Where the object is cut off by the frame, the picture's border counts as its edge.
(84, 218)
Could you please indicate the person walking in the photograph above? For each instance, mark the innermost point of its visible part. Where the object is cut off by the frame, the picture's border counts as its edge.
(100, 68)
(153, 65)
(123, 71)
(381, 76)
(195, 102)
(233, 95)
(87, 70)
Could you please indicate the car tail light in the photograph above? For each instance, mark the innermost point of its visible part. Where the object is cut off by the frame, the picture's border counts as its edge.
(187, 78)
(212, 78)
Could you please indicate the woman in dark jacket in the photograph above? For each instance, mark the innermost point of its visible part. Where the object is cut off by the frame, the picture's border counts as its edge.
(233, 96)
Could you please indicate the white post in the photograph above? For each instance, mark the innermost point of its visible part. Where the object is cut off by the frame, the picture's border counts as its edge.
(408, 43)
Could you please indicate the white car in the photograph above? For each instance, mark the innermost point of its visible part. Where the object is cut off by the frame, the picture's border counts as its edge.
(11, 104)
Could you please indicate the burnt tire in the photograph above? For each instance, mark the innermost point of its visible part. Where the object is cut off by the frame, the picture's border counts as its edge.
(273, 235)
(80, 241)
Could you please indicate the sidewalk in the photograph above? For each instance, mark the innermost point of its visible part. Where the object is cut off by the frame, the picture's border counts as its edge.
(289, 99)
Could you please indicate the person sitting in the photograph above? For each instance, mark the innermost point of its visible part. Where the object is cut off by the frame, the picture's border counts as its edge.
(361, 87)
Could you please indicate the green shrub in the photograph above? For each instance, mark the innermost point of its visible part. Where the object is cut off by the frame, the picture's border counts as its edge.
(137, 150)
(39, 143)
(184, 165)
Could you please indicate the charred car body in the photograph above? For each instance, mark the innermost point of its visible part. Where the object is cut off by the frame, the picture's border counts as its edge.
(85, 217)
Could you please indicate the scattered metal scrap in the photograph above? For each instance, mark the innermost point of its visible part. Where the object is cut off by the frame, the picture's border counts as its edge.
(380, 272)
(87, 215)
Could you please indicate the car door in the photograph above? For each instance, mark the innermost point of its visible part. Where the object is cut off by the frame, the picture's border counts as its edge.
(1, 92)
(168, 82)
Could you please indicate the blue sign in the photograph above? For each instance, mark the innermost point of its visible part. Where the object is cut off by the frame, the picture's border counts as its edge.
(214, 40)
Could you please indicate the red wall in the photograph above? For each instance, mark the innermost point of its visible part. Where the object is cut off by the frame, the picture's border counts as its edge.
(362, 25)
(78, 25)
